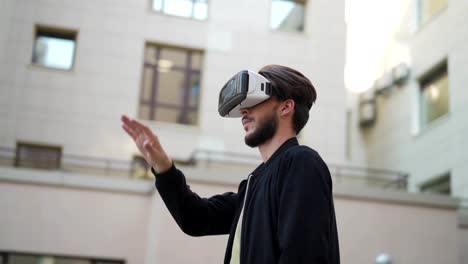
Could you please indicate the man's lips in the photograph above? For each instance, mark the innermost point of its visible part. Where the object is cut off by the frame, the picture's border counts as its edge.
(246, 121)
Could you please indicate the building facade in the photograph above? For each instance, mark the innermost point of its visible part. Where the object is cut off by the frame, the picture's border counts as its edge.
(419, 123)
(72, 186)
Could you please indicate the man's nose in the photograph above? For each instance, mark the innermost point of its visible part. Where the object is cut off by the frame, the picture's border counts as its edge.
(244, 111)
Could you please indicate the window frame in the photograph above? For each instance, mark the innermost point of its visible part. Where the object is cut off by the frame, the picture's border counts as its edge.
(59, 33)
(433, 74)
(185, 107)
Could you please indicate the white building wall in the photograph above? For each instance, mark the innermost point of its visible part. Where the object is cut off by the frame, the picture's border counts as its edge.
(80, 109)
(58, 218)
(396, 141)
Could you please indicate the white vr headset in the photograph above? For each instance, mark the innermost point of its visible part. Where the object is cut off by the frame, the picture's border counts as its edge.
(245, 89)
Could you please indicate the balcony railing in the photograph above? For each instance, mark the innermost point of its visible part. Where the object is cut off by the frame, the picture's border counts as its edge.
(217, 160)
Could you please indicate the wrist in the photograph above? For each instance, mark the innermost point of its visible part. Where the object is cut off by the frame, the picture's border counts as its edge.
(163, 165)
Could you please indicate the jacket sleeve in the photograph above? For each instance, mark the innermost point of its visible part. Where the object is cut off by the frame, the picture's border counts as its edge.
(305, 210)
(196, 216)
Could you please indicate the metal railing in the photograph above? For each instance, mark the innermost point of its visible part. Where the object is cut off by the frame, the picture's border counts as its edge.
(79, 164)
(211, 159)
(341, 174)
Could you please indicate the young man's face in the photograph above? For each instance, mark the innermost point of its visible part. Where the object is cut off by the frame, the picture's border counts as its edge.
(260, 122)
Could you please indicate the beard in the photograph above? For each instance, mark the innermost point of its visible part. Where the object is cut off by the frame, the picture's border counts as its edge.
(264, 131)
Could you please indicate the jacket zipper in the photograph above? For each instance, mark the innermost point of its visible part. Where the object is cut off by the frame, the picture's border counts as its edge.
(242, 216)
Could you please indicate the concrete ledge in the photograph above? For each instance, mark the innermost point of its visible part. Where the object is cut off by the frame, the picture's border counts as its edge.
(127, 185)
(396, 197)
(73, 180)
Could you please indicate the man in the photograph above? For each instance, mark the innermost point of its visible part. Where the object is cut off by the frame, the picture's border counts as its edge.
(283, 212)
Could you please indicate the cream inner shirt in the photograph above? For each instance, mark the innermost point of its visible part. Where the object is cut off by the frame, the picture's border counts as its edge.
(235, 253)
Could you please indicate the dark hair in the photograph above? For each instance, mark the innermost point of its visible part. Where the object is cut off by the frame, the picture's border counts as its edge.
(291, 84)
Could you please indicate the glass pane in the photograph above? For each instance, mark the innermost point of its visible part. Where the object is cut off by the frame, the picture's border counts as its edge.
(200, 10)
(150, 54)
(157, 5)
(147, 83)
(192, 118)
(194, 94)
(54, 52)
(170, 87)
(22, 259)
(38, 157)
(287, 15)
(430, 7)
(435, 100)
(182, 8)
(171, 115)
(58, 260)
(140, 168)
(173, 57)
(144, 112)
(196, 60)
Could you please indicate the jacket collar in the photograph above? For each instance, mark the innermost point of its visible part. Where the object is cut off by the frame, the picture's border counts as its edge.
(285, 146)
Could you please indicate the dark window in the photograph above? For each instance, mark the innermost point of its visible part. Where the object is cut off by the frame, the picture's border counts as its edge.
(439, 184)
(171, 85)
(54, 47)
(196, 9)
(140, 168)
(25, 258)
(287, 15)
(434, 94)
(38, 156)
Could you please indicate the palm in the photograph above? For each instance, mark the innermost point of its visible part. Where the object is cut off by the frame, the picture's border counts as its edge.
(147, 142)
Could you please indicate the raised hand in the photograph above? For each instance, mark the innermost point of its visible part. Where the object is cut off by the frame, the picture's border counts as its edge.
(148, 144)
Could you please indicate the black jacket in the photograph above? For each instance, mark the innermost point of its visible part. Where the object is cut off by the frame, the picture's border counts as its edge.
(289, 215)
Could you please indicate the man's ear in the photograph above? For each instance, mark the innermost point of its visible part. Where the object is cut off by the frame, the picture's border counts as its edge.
(287, 107)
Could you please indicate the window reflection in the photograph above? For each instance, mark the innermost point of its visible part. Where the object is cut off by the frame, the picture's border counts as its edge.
(197, 9)
(287, 15)
(54, 50)
(434, 96)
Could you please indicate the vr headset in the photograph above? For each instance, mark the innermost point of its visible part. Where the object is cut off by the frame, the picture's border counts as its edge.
(245, 89)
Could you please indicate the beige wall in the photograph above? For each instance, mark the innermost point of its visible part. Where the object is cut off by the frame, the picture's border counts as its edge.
(62, 221)
(410, 234)
(138, 228)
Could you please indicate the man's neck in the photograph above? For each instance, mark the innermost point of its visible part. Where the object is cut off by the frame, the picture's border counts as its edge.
(268, 148)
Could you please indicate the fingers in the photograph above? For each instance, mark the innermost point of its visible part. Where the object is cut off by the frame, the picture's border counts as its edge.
(132, 125)
(129, 131)
(137, 130)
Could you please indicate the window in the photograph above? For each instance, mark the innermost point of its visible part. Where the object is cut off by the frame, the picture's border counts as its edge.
(287, 15)
(434, 94)
(196, 9)
(22, 258)
(428, 8)
(440, 185)
(140, 168)
(171, 85)
(38, 156)
(54, 48)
